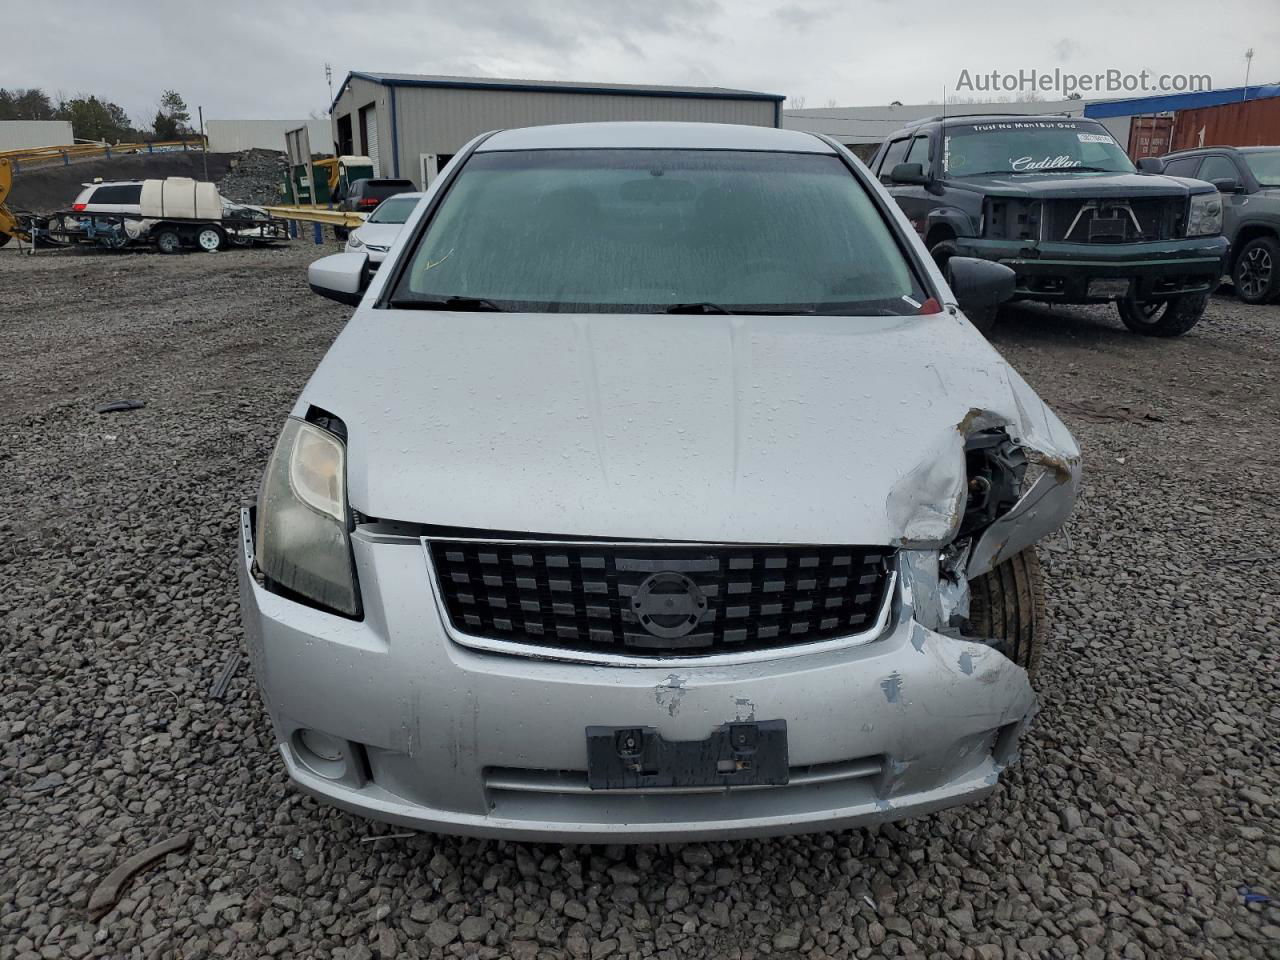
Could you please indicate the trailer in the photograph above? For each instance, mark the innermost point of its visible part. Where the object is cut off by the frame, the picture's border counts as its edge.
(115, 231)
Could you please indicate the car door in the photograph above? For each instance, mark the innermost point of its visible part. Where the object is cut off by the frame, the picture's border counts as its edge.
(915, 199)
(1218, 166)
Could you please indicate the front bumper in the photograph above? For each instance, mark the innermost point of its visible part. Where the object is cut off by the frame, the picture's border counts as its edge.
(436, 736)
(1061, 272)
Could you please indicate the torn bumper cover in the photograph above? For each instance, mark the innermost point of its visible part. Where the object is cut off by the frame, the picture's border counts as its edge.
(388, 718)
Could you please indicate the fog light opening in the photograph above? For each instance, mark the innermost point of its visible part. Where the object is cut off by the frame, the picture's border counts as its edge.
(321, 753)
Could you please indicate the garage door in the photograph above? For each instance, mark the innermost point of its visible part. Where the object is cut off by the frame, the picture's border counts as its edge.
(373, 141)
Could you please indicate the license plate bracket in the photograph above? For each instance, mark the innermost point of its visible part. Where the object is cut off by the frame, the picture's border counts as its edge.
(735, 755)
(1111, 289)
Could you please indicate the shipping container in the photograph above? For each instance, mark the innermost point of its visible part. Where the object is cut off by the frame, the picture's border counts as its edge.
(1252, 123)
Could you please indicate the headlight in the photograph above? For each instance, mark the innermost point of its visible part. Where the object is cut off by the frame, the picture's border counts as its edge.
(1205, 215)
(303, 544)
(354, 242)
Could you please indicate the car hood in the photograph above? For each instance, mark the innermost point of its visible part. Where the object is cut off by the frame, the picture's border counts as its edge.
(704, 428)
(382, 234)
(1084, 185)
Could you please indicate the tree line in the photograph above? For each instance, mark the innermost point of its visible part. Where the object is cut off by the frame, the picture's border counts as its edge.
(96, 118)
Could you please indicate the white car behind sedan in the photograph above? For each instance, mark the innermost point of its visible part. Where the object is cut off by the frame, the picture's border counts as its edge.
(383, 226)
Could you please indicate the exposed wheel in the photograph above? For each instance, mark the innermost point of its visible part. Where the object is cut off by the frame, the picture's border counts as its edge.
(168, 241)
(4, 238)
(983, 320)
(1007, 605)
(209, 239)
(57, 231)
(1256, 271)
(1171, 317)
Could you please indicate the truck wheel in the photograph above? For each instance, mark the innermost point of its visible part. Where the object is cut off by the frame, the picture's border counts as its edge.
(1163, 318)
(983, 320)
(1256, 272)
(168, 241)
(341, 233)
(209, 239)
(1006, 604)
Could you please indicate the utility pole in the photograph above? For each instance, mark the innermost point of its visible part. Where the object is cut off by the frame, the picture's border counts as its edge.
(204, 143)
(328, 77)
(1248, 63)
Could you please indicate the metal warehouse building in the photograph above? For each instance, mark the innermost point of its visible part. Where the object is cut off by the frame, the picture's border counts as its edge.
(411, 125)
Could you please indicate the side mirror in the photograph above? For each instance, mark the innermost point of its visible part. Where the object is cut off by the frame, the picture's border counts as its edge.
(1150, 165)
(979, 284)
(908, 173)
(1226, 184)
(342, 277)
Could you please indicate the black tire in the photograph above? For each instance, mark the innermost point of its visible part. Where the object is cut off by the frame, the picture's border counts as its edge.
(1171, 317)
(1007, 605)
(4, 238)
(210, 239)
(1256, 270)
(983, 320)
(341, 233)
(168, 241)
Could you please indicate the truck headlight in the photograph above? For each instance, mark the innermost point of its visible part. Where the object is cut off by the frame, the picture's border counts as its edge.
(303, 543)
(1205, 216)
(354, 242)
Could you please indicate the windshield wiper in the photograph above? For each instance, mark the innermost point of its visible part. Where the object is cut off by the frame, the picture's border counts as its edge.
(476, 304)
(702, 306)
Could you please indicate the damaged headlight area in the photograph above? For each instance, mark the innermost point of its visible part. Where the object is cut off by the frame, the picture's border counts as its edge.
(303, 535)
(1204, 215)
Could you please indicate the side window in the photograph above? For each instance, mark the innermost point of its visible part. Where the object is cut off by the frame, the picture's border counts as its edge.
(920, 152)
(1216, 166)
(123, 193)
(1182, 167)
(896, 153)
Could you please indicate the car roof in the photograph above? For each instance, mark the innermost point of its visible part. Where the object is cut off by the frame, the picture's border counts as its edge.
(947, 119)
(408, 194)
(114, 183)
(647, 135)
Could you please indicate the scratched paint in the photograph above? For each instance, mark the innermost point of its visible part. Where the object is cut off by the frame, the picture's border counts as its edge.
(669, 693)
(892, 686)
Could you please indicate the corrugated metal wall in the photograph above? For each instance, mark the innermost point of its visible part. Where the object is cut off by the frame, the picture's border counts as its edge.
(361, 93)
(24, 134)
(440, 121)
(1252, 123)
(232, 136)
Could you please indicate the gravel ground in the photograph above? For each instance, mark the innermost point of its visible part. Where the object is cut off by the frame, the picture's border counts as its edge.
(1136, 826)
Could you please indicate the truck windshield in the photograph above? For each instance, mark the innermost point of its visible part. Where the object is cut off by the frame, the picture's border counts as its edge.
(1265, 165)
(1031, 146)
(653, 231)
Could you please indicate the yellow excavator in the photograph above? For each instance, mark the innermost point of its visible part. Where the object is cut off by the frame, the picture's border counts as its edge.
(9, 225)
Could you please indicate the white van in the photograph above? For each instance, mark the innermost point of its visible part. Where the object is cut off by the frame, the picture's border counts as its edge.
(174, 212)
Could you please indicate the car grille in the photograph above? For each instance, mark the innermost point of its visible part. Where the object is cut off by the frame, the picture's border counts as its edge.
(1114, 220)
(641, 599)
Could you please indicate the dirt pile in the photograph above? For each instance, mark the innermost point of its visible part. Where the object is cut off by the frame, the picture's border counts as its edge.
(46, 189)
(255, 176)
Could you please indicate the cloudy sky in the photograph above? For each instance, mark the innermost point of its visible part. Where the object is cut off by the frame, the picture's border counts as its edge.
(243, 59)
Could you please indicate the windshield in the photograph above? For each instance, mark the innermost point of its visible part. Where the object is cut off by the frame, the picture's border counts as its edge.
(395, 210)
(1031, 146)
(644, 231)
(1265, 165)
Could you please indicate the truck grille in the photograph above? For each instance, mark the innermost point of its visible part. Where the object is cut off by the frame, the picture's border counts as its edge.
(1113, 220)
(661, 600)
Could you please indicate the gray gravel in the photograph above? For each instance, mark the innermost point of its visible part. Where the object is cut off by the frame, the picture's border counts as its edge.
(255, 177)
(1146, 801)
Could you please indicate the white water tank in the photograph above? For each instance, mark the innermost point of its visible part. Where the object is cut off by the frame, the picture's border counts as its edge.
(181, 197)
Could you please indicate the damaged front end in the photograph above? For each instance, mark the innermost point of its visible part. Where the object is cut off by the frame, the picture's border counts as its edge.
(995, 485)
